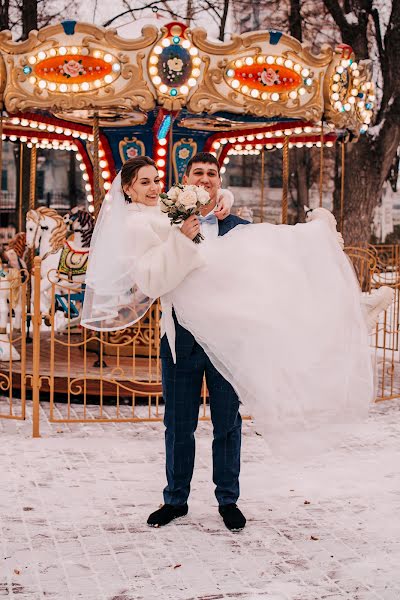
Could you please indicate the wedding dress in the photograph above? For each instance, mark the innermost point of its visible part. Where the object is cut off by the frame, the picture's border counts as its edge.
(277, 310)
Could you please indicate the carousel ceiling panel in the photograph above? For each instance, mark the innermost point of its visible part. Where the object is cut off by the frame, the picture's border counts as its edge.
(221, 124)
(107, 118)
(77, 66)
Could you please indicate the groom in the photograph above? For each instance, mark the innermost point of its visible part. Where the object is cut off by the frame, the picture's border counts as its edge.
(182, 383)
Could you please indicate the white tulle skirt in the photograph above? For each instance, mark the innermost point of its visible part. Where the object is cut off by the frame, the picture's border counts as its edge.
(277, 310)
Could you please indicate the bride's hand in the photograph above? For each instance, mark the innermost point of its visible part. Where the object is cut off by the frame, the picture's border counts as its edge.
(191, 227)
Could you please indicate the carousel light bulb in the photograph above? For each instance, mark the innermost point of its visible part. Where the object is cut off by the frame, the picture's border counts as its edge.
(329, 144)
(335, 87)
(259, 136)
(42, 126)
(153, 60)
(232, 140)
(85, 177)
(270, 60)
(196, 72)
(52, 52)
(91, 208)
(160, 162)
(338, 105)
(302, 91)
(157, 79)
(223, 170)
(162, 141)
(299, 144)
(15, 121)
(335, 96)
(108, 79)
(239, 63)
(260, 59)
(63, 88)
(241, 139)
(288, 63)
(52, 86)
(235, 83)
(347, 106)
(245, 89)
(184, 89)
(103, 164)
(255, 93)
(13, 138)
(97, 83)
(105, 174)
(250, 138)
(339, 70)
(354, 92)
(161, 172)
(258, 146)
(192, 82)
(161, 151)
(290, 145)
(264, 96)
(67, 132)
(107, 185)
(116, 67)
(193, 51)
(97, 54)
(297, 68)
(279, 133)
(308, 81)
(75, 134)
(166, 42)
(309, 144)
(29, 144)
(216, 145)
(41, 55)
(62, 50)
(89, 198)
(75, 87)
(248, 60)
(336, 77)
(223, 141)
(237, 147)
(248, 147)
(268, 134)
(351, 100)
(158, 49)
(35, 140)
(186, 44)
(275, 97)
(23, 138)
(153, 70)
(307, 129)
(288, 132)
(32, 59)
(84, 136)
(279, 60)
(108, 58)
(32, 80)
(269, 146)
(356, 73)
(345, 63)
(163, 88)
(82, 167)
(196, 61)
(297, 130)
(279, 145)
(293, 94)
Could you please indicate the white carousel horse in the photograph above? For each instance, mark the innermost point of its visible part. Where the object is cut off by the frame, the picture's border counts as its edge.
(46, 232)
(10, 300)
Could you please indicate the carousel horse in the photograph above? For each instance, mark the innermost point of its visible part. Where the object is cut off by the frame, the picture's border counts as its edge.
(66, 258)
(10, 300)
(13, 255)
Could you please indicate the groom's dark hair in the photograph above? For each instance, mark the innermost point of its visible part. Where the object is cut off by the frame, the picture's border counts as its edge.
(202, 157)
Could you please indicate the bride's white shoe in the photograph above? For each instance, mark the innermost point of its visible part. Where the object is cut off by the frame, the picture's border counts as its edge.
(375, 303)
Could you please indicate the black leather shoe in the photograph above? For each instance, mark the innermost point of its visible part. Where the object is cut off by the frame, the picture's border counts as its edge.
(166, 514)
(233, 518)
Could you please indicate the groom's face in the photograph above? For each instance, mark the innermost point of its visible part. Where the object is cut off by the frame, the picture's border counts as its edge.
(206, 175)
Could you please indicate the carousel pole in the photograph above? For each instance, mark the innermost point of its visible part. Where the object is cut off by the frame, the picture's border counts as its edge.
(285, 177)
(20, 194)
(31, 252)
(342, 175)
(321, 162)
(262, 187)
(96, 166)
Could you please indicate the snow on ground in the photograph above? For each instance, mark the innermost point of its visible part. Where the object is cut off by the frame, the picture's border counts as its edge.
(73, 509)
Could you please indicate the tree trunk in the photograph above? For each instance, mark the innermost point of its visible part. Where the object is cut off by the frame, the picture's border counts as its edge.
(299, 159)
(223, 21)
(4, 15)
(29, 17)
(362, 190)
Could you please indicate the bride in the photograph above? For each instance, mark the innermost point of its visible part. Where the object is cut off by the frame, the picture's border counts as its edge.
(275, 307)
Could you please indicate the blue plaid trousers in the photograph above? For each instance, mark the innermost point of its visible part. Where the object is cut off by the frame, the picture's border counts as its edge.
(182, 394)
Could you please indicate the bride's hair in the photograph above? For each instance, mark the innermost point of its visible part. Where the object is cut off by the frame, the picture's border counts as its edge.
(130, 169)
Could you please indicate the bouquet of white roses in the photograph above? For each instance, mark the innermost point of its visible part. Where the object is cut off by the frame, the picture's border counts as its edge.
(182, 201)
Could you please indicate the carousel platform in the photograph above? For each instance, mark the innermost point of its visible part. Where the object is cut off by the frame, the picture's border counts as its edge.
(72, 368)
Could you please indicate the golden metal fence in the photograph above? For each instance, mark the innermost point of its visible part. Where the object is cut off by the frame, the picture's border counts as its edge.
(85, 376)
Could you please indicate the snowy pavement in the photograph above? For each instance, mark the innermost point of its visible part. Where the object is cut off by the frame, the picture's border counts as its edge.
(74, 504)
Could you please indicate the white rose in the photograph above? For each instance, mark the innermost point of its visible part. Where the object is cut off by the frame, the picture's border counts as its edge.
(188, 199)
(173, 193)
(203, 196)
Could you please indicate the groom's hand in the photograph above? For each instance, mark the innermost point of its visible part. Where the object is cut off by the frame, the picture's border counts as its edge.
(191, 227)
(224, 204)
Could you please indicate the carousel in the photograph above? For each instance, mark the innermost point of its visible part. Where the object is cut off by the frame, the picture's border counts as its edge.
(169, 93)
